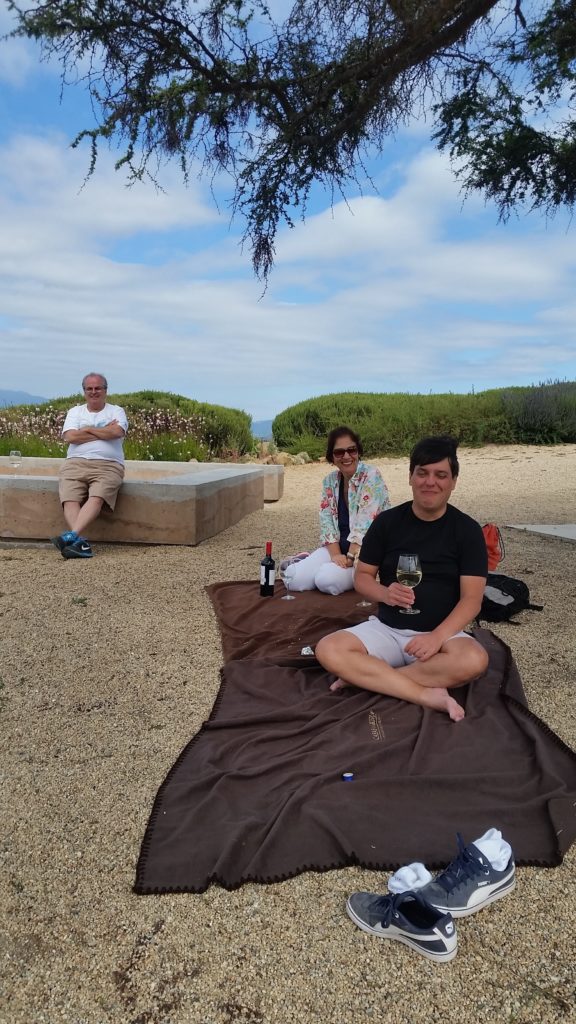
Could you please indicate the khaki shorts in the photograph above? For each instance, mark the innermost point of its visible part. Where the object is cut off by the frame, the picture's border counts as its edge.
(94, 478)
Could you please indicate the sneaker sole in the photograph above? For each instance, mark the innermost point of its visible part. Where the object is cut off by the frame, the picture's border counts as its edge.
(411, 942)
(490, 897)
(58, 544)
(66, 553)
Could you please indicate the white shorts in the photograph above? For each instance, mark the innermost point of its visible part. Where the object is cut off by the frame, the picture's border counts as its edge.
(386, 643)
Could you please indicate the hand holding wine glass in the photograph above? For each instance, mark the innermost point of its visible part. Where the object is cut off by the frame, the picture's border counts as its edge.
(409, 574)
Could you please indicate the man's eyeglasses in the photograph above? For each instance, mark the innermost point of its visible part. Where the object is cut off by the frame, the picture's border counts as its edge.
(339, 453)
(94, 389)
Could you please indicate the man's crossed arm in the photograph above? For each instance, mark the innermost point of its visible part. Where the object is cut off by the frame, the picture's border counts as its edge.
(108, 433)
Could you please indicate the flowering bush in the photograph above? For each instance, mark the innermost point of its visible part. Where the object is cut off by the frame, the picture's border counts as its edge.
(161, 428)
(165, 435)
(33, 430)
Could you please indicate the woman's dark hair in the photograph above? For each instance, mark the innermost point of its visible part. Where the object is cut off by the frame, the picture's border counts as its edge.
(333, 437)
(435, 449)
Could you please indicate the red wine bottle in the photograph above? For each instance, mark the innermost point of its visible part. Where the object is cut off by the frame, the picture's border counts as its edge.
(267, 572)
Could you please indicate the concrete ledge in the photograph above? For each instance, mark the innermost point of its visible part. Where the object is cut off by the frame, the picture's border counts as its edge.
(566, 531)
(159, 502)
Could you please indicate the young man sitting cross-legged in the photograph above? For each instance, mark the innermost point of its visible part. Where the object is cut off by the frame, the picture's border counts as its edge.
(417, 658)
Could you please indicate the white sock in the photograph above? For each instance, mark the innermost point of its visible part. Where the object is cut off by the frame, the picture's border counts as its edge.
(494, 848)
(412, 876)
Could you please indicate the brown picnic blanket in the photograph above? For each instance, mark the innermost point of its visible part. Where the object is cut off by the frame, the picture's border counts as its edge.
(258, 795)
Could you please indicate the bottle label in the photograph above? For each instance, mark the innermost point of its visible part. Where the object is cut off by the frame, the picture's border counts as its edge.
(267, 576)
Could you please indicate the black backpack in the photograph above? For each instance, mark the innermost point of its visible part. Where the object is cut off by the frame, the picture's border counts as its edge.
(503, 598)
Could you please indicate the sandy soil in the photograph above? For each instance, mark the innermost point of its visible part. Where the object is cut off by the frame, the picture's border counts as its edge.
(107, 669)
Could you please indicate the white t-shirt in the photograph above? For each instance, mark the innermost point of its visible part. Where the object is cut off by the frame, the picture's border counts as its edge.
(79, 417)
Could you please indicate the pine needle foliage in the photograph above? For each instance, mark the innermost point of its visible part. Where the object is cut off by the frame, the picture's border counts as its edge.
(279, 98)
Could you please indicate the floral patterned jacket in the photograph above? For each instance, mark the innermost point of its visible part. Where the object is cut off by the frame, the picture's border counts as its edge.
(367, 497)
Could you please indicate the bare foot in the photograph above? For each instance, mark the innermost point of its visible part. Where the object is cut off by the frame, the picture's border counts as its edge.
(338, 684)
(438, 698)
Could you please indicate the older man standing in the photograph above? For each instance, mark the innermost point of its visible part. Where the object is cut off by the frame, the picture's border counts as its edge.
(94, 467)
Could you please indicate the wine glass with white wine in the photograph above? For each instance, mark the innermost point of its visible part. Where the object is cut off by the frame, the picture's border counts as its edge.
(409, 574)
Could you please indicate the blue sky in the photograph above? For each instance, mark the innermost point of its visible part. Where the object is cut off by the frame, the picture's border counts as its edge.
(407, 289)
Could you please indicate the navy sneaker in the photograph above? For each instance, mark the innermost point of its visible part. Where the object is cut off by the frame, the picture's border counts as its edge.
(63, 540)
(469, 883)
(407, 918)
(79, 548)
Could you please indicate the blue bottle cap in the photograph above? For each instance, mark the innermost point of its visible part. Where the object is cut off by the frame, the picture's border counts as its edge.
(347, 776)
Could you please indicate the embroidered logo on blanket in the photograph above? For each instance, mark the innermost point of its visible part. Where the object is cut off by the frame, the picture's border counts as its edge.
(375, 723)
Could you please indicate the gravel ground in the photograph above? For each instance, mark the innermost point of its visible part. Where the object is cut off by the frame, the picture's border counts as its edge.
(108, 667)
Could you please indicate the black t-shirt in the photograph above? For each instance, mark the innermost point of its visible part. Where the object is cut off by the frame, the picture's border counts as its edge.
(449, 547)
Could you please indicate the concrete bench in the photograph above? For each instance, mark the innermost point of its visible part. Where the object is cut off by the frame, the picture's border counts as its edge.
(158, 503)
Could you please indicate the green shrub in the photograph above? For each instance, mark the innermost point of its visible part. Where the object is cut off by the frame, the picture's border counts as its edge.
(168, 427)
(391, 424)
(314, 446)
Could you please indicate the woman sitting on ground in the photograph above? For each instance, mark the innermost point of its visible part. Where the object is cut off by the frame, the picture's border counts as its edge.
(353, 494)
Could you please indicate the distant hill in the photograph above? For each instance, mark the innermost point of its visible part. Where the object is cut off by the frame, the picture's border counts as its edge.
(261, 429)
(19, 398)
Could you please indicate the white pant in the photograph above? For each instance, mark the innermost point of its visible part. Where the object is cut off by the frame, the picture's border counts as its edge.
(318, 571)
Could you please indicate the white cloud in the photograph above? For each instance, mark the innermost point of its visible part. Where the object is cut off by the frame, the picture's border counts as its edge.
(17, 62)
(48, 180)
(406, 292)
(17, 55)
